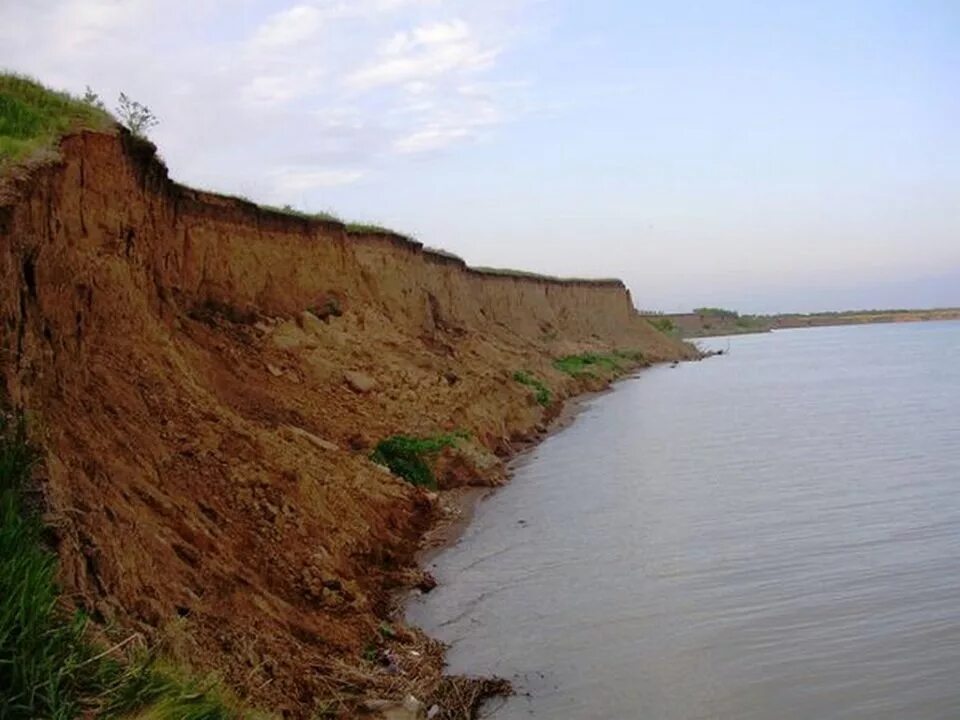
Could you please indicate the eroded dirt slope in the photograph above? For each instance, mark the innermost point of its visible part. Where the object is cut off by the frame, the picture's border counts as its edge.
(209, 379)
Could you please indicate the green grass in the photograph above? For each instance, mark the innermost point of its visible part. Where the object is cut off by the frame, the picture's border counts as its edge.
(32, 117)
(322, 215)
(409, 457)
(586, 363)
(717, 312)
(541, 391)
(48, 666)
(356, 228)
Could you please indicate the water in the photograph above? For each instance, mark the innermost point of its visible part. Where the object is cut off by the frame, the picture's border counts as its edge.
(772, 534)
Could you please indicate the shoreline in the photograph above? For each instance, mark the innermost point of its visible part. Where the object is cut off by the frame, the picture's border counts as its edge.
(693, 326)
(212, 382)
(459, 505)
(458, 508)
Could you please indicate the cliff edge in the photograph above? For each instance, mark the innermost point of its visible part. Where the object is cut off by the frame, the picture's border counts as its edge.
(208, 380)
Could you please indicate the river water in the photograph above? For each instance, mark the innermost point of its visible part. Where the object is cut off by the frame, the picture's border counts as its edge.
(769, 534)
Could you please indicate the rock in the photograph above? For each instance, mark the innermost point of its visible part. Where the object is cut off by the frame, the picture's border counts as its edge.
(358, 381)
(274, 370)
(427, 583)
(319, 442)
(310, 322)
(411, 704)
(289, 336)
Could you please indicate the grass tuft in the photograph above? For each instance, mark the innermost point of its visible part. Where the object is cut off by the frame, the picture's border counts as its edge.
(408, 456)
(322, 216)
(586, 363)
(32, 117)
(356, 228)
(541, 391)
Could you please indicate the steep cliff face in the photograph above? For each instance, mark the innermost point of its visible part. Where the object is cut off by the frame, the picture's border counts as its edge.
(208, 378)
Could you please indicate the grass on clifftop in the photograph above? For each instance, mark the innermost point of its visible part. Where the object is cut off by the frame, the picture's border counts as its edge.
(48, 666)
(32, 117)
(408, 456)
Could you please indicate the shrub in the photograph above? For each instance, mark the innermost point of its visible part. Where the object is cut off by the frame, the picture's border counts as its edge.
(408, 456)
(542, 392)
(135, 116)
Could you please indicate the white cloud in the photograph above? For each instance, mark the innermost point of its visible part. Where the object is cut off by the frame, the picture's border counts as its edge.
(310, 94)
(293, 181)
(425, 53)
(430, 139)
(280, 87)
(289, 27)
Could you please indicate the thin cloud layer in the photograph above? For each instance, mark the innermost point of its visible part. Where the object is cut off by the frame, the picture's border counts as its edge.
(278, 97)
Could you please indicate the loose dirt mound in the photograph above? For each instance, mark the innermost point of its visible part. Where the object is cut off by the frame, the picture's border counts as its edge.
(209, 379)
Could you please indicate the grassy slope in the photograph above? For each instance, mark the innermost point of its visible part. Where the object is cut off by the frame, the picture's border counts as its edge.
(32, 118)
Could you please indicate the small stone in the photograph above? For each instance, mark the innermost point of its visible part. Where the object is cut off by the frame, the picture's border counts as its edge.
(310, 322)
(359, 382)
(274, 370)
(427, 583)
(319, 442)
(411, 704)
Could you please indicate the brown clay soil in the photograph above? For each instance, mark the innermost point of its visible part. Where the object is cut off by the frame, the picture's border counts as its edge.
(208, 379)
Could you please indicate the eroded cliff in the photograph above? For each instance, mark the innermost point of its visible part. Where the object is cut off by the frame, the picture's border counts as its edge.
(208, 378)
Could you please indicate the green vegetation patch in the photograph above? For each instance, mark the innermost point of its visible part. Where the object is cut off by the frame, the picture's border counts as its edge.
(33, 118)
(321, 216)
(409, 457)
(356, 228)
(541, 391)
(48, 667)
(752, 322)
(586, 363)
(717, 312)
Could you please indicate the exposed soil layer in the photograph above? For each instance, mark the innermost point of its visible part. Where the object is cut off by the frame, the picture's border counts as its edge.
(208, 379)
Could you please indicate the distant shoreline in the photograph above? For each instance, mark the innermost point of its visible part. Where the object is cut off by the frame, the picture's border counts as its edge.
(708, 322)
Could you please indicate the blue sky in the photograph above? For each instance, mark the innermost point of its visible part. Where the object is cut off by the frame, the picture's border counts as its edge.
(761, 155)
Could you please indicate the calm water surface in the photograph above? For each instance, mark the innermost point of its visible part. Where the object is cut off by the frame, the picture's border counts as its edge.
(773, 534)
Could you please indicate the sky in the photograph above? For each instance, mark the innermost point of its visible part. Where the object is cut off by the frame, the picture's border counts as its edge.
(763, 156)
